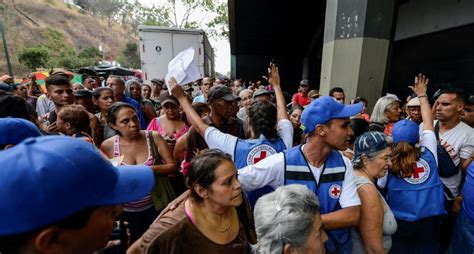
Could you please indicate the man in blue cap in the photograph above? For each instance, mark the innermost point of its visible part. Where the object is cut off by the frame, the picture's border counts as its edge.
(59, 195)
(319, 165)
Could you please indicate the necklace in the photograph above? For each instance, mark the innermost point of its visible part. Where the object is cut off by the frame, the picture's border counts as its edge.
(223, 230)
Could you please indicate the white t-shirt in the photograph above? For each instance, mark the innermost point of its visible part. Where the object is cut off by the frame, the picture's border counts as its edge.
(271, 171)
(226, 142)
(459, 142)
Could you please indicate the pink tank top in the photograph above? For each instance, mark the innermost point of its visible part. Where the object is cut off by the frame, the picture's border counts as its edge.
(145, 202)
(156, 126)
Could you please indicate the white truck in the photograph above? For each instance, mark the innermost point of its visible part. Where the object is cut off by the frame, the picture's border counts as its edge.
(159, 45)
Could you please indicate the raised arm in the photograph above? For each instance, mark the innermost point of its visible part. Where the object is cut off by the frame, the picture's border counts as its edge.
(420, 87)
(274, 80)
(196, 120)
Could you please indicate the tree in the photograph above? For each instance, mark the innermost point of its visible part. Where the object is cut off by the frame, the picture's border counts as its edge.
(34, 57)
(219, 25)
(130, 57)
(90, 56)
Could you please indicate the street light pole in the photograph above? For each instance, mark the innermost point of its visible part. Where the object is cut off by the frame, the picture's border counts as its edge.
(5, 48)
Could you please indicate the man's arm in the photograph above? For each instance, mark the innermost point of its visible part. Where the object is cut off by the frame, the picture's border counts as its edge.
(344, 218)
(269, 171)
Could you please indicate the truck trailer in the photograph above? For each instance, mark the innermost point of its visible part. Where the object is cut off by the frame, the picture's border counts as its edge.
(159, 45)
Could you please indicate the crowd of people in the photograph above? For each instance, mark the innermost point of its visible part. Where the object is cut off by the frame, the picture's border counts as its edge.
(224, 166)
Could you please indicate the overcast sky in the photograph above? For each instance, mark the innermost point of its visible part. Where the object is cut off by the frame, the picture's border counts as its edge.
(221, 46)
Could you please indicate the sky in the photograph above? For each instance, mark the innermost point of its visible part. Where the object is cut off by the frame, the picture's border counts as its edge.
(221, 46)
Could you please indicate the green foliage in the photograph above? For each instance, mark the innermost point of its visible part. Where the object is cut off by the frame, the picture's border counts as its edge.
(219, 25)
(55, 51)
(130, 57)
(34, 57)
(90, 56)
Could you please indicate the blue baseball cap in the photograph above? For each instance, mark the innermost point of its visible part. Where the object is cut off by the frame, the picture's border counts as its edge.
(405, 131)
(46, 179)
(370, 142)
(324, 109)
(15, 130)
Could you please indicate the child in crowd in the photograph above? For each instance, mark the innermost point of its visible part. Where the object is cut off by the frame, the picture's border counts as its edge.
(73, 120)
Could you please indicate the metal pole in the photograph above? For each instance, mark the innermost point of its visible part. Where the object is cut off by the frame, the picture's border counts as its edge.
(5, 48)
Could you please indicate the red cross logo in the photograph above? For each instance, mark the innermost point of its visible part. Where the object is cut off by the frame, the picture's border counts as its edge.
(263, 154)
(335, 191)
(417, 170)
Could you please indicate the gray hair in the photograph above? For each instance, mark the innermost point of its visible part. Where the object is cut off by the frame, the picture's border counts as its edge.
(357, 162)
(243, 91)
(381, 107)
(285, 216)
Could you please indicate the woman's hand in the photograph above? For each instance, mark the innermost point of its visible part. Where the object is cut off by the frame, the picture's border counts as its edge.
(176, 89)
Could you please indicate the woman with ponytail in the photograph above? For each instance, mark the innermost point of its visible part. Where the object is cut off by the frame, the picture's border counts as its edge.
(414, 188)
(268, 136)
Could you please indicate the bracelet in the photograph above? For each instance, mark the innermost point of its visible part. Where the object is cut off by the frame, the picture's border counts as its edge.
(421, 96)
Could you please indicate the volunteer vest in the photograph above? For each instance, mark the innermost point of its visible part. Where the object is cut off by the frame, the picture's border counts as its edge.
(328, 189)
(419, 196)
(250, 151)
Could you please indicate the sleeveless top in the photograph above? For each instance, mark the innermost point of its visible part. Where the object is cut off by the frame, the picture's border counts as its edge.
(147, 201)
(156, 126)
(389, 223)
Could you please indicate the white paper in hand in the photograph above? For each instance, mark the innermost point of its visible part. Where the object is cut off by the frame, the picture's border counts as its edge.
(183, 68)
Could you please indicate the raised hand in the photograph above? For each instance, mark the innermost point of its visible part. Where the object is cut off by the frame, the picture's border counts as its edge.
(421, 84)
(176, 90)
(273, 75)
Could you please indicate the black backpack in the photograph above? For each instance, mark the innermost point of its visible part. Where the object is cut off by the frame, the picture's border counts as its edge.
(446, 167)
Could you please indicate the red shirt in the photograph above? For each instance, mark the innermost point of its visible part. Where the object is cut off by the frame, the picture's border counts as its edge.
(300, 99)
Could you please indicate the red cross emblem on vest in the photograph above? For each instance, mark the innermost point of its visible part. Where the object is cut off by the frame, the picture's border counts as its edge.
(263, 155)
(417, 170)
(335, 191)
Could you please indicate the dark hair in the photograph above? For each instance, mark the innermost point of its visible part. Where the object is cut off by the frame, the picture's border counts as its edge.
(18, 107)
(470, 100)
(263, 119)
(296, 107)
(98, 92)
(404, 156)
(335, 90)
(201, 107)
(114, 109)
(14, 243)
(57, 80)
(361, 99)
(359, 126)
(147, 86)
(460, 93)
(202, 170)
(77, 116)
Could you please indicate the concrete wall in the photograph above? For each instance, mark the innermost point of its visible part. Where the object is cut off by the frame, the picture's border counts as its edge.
(419, 17)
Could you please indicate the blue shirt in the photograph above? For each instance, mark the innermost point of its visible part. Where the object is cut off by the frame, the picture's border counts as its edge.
(468, 192)
(138, 108)
(199, 98)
